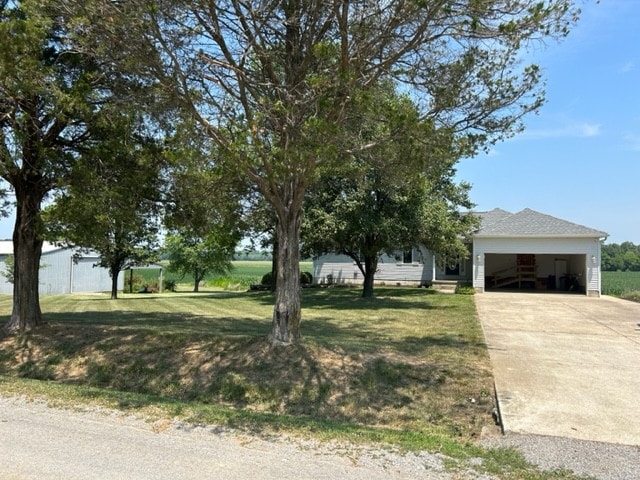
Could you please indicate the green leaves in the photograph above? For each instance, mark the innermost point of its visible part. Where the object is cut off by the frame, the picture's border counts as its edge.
(199, 256)
(396, 192)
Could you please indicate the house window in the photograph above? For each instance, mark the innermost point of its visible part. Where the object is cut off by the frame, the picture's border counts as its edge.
(407, 256)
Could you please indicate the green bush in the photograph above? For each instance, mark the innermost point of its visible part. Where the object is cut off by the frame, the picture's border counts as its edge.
(305, 278)
(267, 279)
(465, 289)
(134, 284)
(170, 285)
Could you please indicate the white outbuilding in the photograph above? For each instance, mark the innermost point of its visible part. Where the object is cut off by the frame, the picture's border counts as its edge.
(62, 271)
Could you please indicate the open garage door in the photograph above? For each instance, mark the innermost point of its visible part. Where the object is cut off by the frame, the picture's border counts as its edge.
(535, 272)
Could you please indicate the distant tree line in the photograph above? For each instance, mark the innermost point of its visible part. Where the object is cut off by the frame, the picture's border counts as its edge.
(623, 257)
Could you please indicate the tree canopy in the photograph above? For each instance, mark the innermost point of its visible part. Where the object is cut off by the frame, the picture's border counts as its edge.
(51, 92)
(111, 201)
(621, 257)
(396, 194)
(200, 256)
(271, 82)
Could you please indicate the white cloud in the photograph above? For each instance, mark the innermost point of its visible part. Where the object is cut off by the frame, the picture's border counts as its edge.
(574, 130)
(627, 67)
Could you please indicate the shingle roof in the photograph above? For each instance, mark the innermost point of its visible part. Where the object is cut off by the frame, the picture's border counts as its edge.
(529, 223)
(492, 216)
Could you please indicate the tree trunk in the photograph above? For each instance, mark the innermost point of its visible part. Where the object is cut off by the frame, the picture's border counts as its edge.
(274, 261)
(197, 278)
(114, 283)
(115, 267)
(285, 328)
(27, 249)
(370, 267)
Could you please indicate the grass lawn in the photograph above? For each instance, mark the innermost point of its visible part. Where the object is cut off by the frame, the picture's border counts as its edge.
(408, 368)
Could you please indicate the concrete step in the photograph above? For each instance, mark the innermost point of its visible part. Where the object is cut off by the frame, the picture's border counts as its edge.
(444, 286)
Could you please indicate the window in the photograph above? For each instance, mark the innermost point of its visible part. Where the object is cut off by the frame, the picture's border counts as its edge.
(407, 256)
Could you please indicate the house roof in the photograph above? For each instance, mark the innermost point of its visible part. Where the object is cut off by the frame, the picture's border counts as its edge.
(6, 247)
(529, 223)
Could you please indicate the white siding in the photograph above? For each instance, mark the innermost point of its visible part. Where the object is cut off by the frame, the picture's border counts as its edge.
(589, 247)
(390, 270)
(88, 278)
(60, 274)
(6, 288)
(55, 272)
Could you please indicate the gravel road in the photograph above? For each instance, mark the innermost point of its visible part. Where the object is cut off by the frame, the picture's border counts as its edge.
(603, 461)
(38, 442)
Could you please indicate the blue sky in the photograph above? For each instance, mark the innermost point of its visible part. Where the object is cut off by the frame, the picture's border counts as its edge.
(579, 158)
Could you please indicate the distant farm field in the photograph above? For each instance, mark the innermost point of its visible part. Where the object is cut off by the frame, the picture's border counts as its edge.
(244, 273)
(620, 284)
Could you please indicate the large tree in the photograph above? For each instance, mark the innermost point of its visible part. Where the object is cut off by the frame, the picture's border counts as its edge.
(197, 256)
(112, 199)
(50, 94)
(204, 209)
(270, 81)
(394, 195)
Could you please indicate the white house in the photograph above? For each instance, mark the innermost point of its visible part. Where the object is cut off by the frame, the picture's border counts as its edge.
(524, 250)
(61, 272)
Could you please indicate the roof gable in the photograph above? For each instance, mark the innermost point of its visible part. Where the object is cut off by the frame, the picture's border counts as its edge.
(529, 223)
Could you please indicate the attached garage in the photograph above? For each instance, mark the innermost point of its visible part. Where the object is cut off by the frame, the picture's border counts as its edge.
(529, 250)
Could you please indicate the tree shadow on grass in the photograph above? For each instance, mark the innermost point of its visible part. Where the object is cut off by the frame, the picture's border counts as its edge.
(162, 323)
(325, 331)
(351, 299)
(313, 298)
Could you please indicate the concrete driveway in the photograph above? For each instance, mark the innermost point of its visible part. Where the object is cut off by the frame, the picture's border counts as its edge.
(565, 365)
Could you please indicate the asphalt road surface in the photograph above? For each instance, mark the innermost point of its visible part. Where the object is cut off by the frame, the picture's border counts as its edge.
(38, 442)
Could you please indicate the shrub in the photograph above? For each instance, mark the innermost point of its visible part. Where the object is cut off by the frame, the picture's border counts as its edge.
(306, 278)
(170, 285)
(134, 284)
(267, 279)
(465, 289)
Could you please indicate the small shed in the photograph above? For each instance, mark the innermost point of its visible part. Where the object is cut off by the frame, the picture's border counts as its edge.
(62, 271)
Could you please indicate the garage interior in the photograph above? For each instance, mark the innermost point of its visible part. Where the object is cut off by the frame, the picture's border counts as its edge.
(548, 272)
